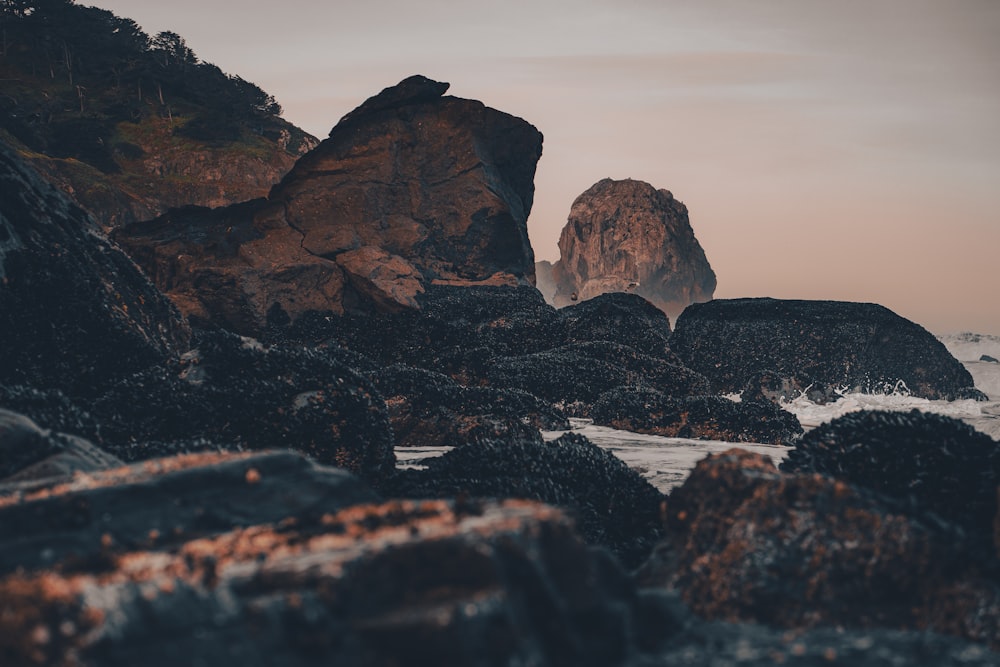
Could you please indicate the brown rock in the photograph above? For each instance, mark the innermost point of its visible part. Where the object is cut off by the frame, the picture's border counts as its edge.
(745, 542)
(410, 188)
(403, 582)
(626, 236)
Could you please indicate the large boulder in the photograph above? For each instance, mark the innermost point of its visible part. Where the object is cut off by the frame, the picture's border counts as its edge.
(75, 312)
(614, 506)
(627, 236)
(745, 542)
(937, 463)
(271, 559)
(621, 318)
(858, 346)
(411, 189)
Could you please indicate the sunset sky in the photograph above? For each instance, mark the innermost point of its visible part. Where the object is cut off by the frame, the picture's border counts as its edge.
(826, 150)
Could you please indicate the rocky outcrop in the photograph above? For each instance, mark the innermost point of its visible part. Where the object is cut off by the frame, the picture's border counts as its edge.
(75, 312)
(747, 543)
(158, 170)
(430, 409)
(627, 236)
(409, 190)
(936, 463)
(271, 559)
(580, 372)
(613, 506)
(622, 318)
(857, 346)
(236, 394)
(646, 410)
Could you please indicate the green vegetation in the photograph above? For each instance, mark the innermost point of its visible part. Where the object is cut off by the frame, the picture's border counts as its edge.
(81, 83)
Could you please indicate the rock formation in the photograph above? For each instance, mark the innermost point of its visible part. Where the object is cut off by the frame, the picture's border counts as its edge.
(75, 312)
(410, 189)
(859, 346)
(627, 236)
(129, 125)
(270, 559)
(936, 463)
(747, 543)
(645, 410)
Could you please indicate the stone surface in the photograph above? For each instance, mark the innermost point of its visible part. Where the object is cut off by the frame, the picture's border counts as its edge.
(622, 318)
(938, 464)
(75, 312)
(411, 188)
(234, 393)
(430, 409)
(161, 503)
(613, 506)
(576, 375)
(627, 236)
(645, 410)
(426, 582)
(858, 346)
(747, 543)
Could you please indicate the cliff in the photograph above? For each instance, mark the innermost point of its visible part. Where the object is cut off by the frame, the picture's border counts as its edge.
(130, 125)
(412, 188)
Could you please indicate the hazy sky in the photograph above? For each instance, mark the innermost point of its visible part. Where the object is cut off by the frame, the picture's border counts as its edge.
(844, 149)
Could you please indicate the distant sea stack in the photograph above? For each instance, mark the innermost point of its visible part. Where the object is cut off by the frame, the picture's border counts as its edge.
(412, 188)
(627, 236)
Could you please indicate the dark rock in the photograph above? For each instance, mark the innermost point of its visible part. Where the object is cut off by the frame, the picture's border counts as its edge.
(627, 319)
(680, 638)
(75, 313)
(235, 393)
(451, 324)
(627, 236)
(939, 464)
(429, 582)
(613, 506)
(777, 388)
(858, 346)
(992, 360)
(411, 189)
(28, 452)
(747, 543)
(576, 375)
(645, 410)
(430, 409)
(159, 504)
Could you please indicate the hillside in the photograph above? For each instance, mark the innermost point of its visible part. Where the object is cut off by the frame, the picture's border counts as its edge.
(128, 124)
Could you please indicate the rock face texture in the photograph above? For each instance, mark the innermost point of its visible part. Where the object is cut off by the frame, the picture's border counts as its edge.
(745, 542)
(936, 463)
(411, 188)
(270, 559)
(627, 236)
(861, 346)
(75, 312)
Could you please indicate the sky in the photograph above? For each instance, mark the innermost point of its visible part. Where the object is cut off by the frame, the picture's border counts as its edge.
(844, 150)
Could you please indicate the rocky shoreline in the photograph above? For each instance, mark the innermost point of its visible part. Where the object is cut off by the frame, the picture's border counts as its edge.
(173, 489)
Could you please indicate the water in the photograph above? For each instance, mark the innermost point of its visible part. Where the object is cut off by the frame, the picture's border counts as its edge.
(666, 462)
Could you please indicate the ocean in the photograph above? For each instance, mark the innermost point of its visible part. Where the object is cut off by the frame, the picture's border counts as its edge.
(666, 462)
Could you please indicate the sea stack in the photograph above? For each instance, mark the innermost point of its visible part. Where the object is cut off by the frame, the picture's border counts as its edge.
(627, 236)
